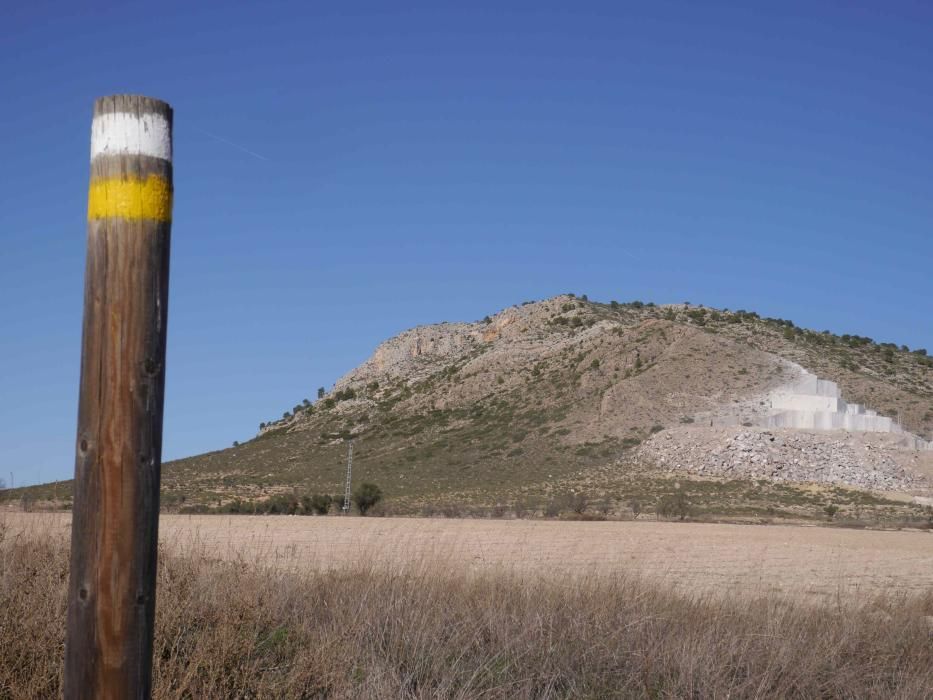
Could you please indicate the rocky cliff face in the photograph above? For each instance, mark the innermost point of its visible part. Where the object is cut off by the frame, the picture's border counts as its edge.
(417, 353)
(605, 374)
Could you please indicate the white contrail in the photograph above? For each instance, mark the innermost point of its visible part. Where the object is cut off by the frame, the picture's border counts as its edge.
(230, 143)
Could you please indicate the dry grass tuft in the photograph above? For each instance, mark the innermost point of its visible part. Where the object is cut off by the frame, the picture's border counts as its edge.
(237, 629)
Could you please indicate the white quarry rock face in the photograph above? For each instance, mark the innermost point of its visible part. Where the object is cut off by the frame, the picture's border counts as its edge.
(811, 403)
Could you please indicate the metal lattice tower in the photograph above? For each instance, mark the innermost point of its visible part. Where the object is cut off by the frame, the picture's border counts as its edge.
(346, 488)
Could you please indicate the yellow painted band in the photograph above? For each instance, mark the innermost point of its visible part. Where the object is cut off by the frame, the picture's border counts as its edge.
(131, 198)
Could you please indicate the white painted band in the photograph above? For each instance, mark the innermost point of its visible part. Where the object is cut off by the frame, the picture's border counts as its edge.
(120, 133)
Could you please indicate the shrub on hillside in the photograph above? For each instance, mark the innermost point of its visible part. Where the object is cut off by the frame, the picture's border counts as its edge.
(366, 496)
(674, 506)
(579, 502)
(320, 503)
(564, 504)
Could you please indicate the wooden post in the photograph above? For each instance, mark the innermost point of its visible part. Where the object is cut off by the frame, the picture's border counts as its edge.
(111, 593)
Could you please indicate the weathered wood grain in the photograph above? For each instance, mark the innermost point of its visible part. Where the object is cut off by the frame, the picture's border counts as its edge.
(111, 604)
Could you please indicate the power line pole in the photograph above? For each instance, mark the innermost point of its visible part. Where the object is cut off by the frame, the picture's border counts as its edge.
(111, 593)
(346, 489)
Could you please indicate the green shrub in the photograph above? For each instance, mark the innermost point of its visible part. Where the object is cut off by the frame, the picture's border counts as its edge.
(675, 506)
(698, 316)
(366, 496)
(320, 503)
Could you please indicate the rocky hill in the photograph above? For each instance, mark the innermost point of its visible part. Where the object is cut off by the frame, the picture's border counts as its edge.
(558, 394)
(612, 403)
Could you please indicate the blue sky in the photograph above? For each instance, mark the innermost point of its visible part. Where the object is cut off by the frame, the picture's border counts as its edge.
(404, 163)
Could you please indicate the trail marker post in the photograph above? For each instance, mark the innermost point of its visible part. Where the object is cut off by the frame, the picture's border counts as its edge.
(111, 593)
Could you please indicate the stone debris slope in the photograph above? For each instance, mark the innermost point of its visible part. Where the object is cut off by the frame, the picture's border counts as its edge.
(875, 462)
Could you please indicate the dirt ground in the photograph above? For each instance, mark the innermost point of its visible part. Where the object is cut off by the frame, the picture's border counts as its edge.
(716, 558)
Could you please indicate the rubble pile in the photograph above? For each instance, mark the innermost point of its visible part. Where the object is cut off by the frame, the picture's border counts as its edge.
(780, 455)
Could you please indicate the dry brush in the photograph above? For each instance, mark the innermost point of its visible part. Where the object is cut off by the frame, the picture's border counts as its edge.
(238, 629)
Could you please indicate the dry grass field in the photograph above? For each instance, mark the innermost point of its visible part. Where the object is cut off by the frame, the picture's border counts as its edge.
(817, 562)
(329, 607)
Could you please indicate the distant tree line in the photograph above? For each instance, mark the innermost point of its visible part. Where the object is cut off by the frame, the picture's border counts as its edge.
(365, 497)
